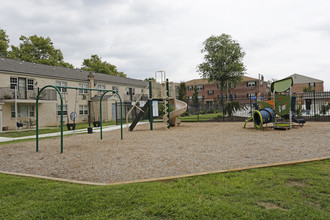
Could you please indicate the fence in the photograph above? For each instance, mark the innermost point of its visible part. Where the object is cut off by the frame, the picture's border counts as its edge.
(9, 93)
(312, 106)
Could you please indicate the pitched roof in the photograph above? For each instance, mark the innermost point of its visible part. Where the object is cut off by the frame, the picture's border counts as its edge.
(297, 79)
(205, 81)
(41, 70)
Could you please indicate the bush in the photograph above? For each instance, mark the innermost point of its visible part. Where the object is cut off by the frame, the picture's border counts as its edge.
(231, 107)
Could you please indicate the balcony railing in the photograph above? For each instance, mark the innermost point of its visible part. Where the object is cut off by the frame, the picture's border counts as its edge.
(8, 93)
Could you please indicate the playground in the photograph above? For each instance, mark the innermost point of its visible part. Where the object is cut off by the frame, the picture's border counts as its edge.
(145, 154)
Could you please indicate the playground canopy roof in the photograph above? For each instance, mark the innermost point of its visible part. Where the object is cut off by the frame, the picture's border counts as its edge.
(282, 85)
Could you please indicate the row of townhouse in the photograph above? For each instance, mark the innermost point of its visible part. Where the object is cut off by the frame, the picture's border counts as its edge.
(21, 81)
(209, 93)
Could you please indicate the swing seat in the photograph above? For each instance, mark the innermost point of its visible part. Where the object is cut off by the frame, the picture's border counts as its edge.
(71, 126)
(97, 123)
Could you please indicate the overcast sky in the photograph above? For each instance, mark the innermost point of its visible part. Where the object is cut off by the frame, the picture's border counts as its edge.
(279, 37)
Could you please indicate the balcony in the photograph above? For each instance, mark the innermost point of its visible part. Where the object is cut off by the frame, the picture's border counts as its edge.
(8, 95)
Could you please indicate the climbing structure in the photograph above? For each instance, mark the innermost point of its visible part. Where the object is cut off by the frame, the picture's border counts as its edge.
(161, 90)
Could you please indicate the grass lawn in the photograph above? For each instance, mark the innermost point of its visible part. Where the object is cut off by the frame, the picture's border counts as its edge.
(200, 117)
(22, 133)
(290, 192)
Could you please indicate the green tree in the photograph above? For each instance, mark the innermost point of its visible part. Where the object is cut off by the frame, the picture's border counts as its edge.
(195, 98)
(182, 91)
(223, 62)
(4, 43)
(308, 89)
(95, 64)
(38, 50)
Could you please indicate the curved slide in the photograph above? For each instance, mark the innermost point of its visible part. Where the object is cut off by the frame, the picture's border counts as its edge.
(180, 107)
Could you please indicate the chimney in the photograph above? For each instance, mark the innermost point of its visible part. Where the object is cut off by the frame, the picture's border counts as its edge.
(91, 84)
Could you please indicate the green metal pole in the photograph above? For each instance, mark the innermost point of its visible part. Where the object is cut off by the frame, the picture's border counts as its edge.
(37, 123)
(150, 105)
(37, 116)
(101, 115)
(121, 113)
(168, 104)
(121, 116)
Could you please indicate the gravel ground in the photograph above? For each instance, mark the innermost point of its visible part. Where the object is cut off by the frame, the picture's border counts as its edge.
(143, 154)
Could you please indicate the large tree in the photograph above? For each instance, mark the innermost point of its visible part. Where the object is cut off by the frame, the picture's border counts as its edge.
(223, 61)
(38, 50)
(95, 64)
(4, 43)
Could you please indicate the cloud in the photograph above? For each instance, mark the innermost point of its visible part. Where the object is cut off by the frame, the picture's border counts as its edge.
(140, 37)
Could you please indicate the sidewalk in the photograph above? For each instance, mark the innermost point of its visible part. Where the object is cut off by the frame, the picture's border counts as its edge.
(79, 131)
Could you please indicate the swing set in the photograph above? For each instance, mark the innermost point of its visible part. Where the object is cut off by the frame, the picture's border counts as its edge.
(57, 88)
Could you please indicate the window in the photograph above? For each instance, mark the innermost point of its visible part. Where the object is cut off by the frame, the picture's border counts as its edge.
(59, 83)
(31, 111)
(83, 109)
(190, 87)
(210, 92)
(30, 84)
(13, 82)
(100, 86)
(251, 84)
(312, 85)
(115, 88)
(130, 91)
(232, 97)
(65, 110)
(85, 86)
(249, 95)
(190, 97)
(23, 111)
(200, 87)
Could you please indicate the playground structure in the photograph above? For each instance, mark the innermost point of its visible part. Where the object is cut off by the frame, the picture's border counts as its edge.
(57, 88)
(159, 91)
(283, 105)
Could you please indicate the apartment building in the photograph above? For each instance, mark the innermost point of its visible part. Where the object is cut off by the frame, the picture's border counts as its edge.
(209, 93)
(301, 82)
(21, 81)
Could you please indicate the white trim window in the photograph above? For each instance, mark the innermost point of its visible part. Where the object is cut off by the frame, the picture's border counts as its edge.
(100, 86)
(251, 84)
(115, 88)
(200, 87)
(83, 109)
(61, 83)
(128, 91)
(250, 95)
(65, 110)
(13, 82)
(84, 87)
(23, 111)
(210, 92)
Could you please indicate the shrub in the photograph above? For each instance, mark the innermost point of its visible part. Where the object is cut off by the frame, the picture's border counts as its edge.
(231, 107)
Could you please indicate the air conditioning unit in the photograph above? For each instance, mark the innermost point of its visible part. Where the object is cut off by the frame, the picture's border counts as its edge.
(83, 97)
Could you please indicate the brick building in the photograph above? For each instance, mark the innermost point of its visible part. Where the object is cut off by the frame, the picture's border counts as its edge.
(209, 93)
(300, 82)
